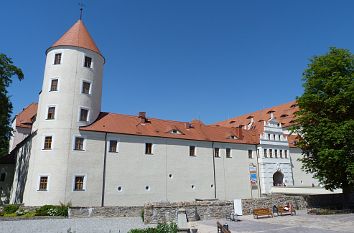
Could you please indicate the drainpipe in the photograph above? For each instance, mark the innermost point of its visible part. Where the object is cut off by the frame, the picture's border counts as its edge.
(212, 147)
(258, 173)
(104, 168)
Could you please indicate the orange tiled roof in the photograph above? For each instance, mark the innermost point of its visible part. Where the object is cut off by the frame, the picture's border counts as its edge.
(24, 118)
(283, 113)
(134, 125)
(78, 36)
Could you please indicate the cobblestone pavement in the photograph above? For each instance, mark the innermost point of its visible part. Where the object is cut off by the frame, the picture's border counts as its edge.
(75, 225)
(302, 222)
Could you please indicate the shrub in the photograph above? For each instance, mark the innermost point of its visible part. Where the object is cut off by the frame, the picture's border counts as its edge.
(161, 228)
(52, 210)
(10, 209)
(43, 210)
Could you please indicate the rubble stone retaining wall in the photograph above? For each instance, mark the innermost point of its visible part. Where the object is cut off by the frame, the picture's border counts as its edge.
(114, 211)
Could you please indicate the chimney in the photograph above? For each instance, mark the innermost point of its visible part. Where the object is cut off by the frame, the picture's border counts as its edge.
(188, 125)
(239, 131)
(142, 116)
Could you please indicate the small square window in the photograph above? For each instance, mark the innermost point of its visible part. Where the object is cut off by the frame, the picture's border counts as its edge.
(79, 143)
(83, 114)
(51, 113)
(191, 150)
(228, 153)
(79, 183)
(88, 61)
(47, 143)
(217, 152)
(148, 148)
(112, 146)
(57, 59)
(43, 183)
(85, 87)
(250, 154)
(54, 85)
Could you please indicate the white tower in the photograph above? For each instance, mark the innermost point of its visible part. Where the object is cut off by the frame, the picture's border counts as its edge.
(70, 98)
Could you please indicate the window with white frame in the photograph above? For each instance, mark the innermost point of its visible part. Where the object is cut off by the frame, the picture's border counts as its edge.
(250, 155)
(57, 59)
(148, 148)
(217, 152)
(79, 183)
(43, 183)
(228, 153)
(281, 153)
(192, 151)
(88, 62)
(86, 87)
(51, 113)
(84, 114)
(113, 146)
(48, 140)
(54, 85)
(265, 153)
(79, 143)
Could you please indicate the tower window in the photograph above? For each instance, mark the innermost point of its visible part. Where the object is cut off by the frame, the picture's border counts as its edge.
(88, 62)
(112, 146)
(192, 151)
(217, 152)
(79, 143)
(270, 153)
(43, 183)
(148, 148)
(265, 153)
(51, 113)
(228, 153)
(83, 114)
(250, 156)
(85, 87)
(281, 153)
(47, 143)
(54, 85)
(57, 59)
(79, 183)
(276, 153)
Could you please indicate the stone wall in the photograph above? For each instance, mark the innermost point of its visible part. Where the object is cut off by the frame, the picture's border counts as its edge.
(196, 210)
(114, 211)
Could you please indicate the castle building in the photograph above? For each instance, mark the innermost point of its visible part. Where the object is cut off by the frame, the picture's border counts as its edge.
(64, 149)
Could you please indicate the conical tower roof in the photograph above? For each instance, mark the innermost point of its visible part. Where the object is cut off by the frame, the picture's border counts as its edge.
(77, 36)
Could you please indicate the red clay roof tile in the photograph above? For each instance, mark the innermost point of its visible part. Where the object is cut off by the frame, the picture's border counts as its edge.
(24, 118)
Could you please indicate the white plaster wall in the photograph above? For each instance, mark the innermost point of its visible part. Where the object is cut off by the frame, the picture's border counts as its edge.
(55, 163)
(301, 178)
(18, 135)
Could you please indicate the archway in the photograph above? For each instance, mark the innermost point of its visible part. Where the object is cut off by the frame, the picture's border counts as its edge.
(278, 179)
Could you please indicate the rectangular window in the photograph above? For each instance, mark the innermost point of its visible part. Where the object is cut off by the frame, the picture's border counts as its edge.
(268, 136)
(286, 153)
(191, 150)
(265, 153)
(54, 85)
(270, 153)
(88, 61)
(276, 153)
(83, 114)
(281, 153)
(250, 156)
(112, 146)
(43, 183)
(85, 87)
(47, 143)
(57, 59)
(51, 113)
(79, 183)
(217, 152)
(79, 143)
(228, 153)
(148, 148)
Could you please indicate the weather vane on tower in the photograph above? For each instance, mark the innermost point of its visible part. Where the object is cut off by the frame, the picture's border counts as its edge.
(81, 4)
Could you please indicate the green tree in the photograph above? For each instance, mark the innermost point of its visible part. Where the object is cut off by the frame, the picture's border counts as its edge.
(7, 71)
(325, 120)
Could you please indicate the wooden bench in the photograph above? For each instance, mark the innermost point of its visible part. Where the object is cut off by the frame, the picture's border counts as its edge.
(282, 210)
(263, 212)
(221, 228)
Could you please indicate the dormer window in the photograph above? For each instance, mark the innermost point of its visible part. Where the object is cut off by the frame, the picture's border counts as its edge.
(88, 62)
(175, 131)
(233, 137)
(284, 115)
(231, 122)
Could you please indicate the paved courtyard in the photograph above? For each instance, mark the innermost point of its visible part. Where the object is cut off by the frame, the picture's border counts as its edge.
(289, 224)
(302, 222)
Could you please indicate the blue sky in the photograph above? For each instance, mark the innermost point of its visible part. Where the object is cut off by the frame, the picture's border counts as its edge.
(185, 59)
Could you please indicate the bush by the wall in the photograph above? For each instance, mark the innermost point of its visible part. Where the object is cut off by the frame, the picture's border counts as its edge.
(52, 210)
(161, 228)
(10, 209)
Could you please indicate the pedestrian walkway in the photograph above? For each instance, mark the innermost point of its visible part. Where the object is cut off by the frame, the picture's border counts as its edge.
(302, 222)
